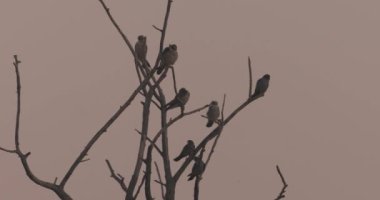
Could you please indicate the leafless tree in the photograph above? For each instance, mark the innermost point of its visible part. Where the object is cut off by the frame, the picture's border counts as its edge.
(149, 151)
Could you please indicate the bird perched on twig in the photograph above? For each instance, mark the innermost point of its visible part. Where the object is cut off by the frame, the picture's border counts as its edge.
(198, 168)
(212, 113)
(168, 57)
(262, 85)
(141, 48)
(187, 150)
(179, 100)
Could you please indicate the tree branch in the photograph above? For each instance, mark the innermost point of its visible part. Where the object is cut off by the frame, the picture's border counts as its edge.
(143, 138)
(103, 129)
(118, 178)
(23, 157)
(250, 77)
(139, 188)
(123, 35)
(285, 185)
(174, 80)
(159, 178)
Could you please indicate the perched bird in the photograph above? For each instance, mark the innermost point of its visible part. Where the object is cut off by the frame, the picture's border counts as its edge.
(198, 168)
(179, 100)
(141, 48)
(187, 150)
(262, 85)
(212, 113)
(168, 57)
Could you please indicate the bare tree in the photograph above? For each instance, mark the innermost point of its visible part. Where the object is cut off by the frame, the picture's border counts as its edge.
(149, 151)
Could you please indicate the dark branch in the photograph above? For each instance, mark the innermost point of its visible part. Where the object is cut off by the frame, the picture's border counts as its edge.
(281, 195)
(159, 178)
(7, 150)
(119, 29)
(139, 188)
(174, 80)
(151, 142)
(250, 77)
(118, 178)
(158, 29)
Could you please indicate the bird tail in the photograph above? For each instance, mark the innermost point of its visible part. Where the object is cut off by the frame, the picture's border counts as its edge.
(191, 177)
(169, 105)
(210, 123)
(178, 158)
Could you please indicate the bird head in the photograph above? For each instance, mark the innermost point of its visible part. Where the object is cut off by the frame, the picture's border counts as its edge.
(182, 91)
(173, 47)
(141, 38)
(266, 76)
(190, 142)
(214, 103)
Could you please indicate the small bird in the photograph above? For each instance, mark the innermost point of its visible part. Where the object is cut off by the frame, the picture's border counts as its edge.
(187, 150)
(141, 48)
(212, 113)
(198, 168)
(168, 57)
(262, 85)
(179, 100)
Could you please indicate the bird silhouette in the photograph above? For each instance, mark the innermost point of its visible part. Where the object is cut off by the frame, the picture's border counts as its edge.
(141, 48)
(168, 57)
(187, 150)
(198, 168)
(262, 85)
(179, 100)
(212, 113)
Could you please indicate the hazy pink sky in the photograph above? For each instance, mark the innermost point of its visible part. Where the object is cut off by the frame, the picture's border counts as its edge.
(318, 121)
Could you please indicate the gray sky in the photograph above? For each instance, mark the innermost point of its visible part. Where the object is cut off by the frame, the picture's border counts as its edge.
(318, 121)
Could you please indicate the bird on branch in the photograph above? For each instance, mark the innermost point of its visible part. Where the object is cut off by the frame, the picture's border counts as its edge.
(198, 168)
(187, 150)
(168, 57)
(262, 85)
(212, 113)
(141, 49)
(179, 100)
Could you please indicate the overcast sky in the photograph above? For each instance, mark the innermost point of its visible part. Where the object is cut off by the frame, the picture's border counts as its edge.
(318, 120)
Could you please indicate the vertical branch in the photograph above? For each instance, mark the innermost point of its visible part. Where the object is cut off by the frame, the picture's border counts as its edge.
(160, 179)
(250, 77)
(198, 179)
(174, 81)
(163, 31)
(148, 173)
(15, 64)
(139, 188)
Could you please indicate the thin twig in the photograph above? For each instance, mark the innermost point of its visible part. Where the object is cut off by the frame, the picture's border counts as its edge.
(7, 150)
(174, 81)
(158, 29)
(250, 77)
(151, 142)
(123, 35)
(139, 188)
(159, 178)
(118, 178)
(180, 116)
(285, 185)
(163, 32)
